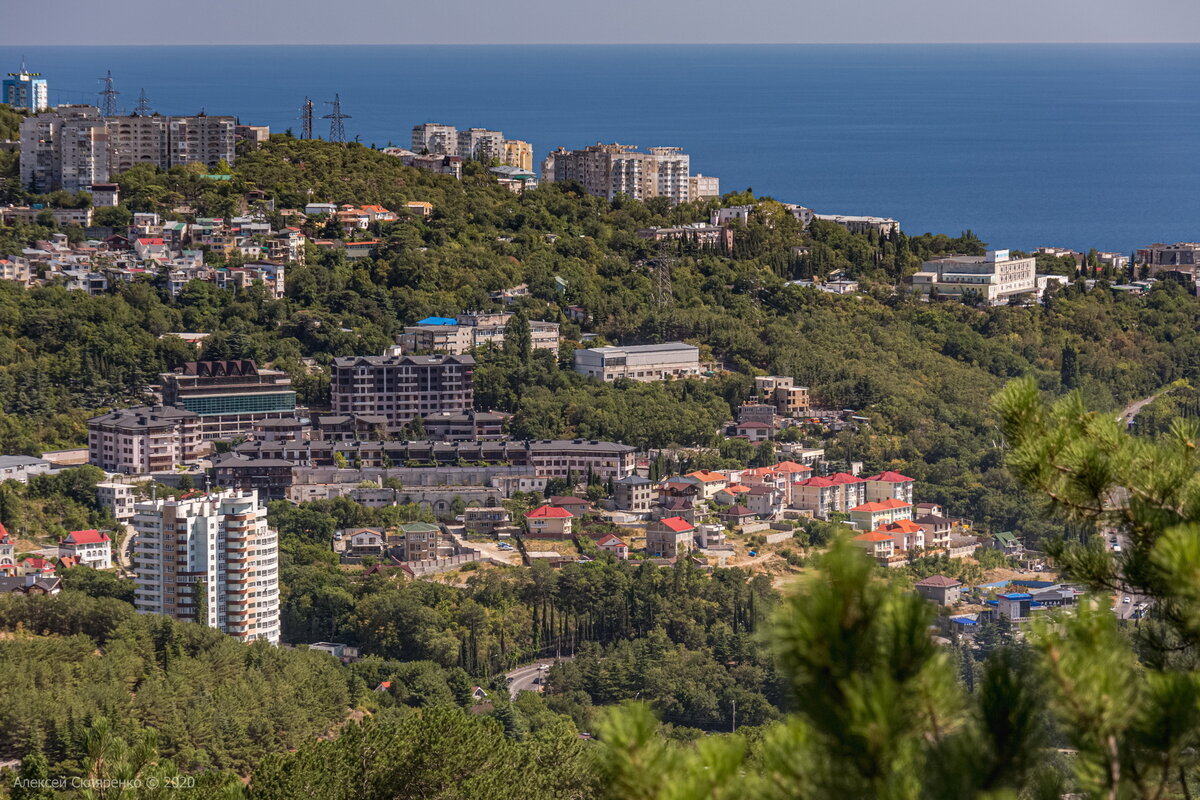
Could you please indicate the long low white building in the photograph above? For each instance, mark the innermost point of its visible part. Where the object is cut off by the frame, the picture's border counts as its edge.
(642, 362)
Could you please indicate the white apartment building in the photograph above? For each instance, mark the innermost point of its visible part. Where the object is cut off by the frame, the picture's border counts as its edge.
(607, 170)
(701, 187)
(118, 498)
(220, 539)
(882, 225)
(996, 276)
(643, 362)
(92, 548)
(73, 147)
(433, 137)
(480, 144)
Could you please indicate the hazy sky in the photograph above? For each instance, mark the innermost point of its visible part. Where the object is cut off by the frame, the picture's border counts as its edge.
(587, 22)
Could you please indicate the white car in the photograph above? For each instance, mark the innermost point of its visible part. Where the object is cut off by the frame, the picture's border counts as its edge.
(1127, 599)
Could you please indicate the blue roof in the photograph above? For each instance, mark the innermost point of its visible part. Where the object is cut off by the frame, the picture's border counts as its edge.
(964, 620)
(438, 321)
(1017, 596)
(1033, 584)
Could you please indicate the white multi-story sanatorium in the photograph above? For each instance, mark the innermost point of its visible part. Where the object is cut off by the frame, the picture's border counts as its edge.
(220, 539)
(996, 276)
(642, 362)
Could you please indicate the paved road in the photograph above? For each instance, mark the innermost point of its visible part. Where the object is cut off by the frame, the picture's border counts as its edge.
(123, 553)
(526, 679)
(1130, 411)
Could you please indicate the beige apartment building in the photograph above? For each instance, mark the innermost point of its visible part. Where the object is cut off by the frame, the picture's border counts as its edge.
(643, 362)
(435, 138)
(144, 439)
(608, 170)
(220, 540)
(518, 153)
(780, 391)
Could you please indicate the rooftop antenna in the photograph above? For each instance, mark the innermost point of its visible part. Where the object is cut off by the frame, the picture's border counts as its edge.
(24, 73)
(306, 118)
(337, 130)
(108, 96)
(143, 107)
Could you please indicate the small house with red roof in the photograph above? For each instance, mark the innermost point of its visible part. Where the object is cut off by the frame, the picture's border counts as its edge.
(731, 495)
(669, 537)
(615, 545)
(879, 546)
(754, 431)
(908, 534)
(90, 548)
(35, 565)
(890, 485)
(709, 482)
(870, 516)
(548, 522)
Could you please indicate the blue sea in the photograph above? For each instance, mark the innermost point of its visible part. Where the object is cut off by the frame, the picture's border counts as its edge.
(1067, 145)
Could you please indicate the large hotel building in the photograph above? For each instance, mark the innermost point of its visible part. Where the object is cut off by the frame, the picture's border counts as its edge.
(221, 540)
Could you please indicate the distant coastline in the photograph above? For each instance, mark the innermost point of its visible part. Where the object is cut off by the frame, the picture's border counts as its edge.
(1027, 145)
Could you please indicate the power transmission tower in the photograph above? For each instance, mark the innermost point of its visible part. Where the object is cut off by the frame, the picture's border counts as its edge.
(143, 107)
(306, 118)
(337, 130)
(108, 96)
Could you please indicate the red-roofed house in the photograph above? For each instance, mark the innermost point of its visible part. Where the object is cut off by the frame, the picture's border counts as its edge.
(615, 545)
(731, 494)
(33, 565)
(709, 482)
(890, 484)
(549, 522)
(91, 548)
(878, 545)
(669, 538)
(869, 516)
(908, 534)
(151, 249)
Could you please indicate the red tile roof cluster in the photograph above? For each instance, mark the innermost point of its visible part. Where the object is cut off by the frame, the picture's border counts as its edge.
(873, 536)
(901, 526)
(677, 524)
(845, 477)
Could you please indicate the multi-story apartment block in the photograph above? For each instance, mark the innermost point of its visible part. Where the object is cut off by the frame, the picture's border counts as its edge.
(885, 226)
(144, 439)
(25, 91)
(400, 388)
(74, 147)
(517, 153)
(230, 397)
(118, 498)
(90, 548)
(433, 138)
(633, 493)
(607, 170)
(890, 485)
(781, 392)
(64, 149)
(420, 541)
(221, 542)
(643, 362)
(996, 276)
(480, 144)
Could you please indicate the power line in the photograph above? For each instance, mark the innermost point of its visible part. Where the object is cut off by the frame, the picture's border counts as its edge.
(108, 96)
(337, 130)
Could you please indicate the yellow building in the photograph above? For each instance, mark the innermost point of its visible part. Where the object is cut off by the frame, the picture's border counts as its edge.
(518, 154)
